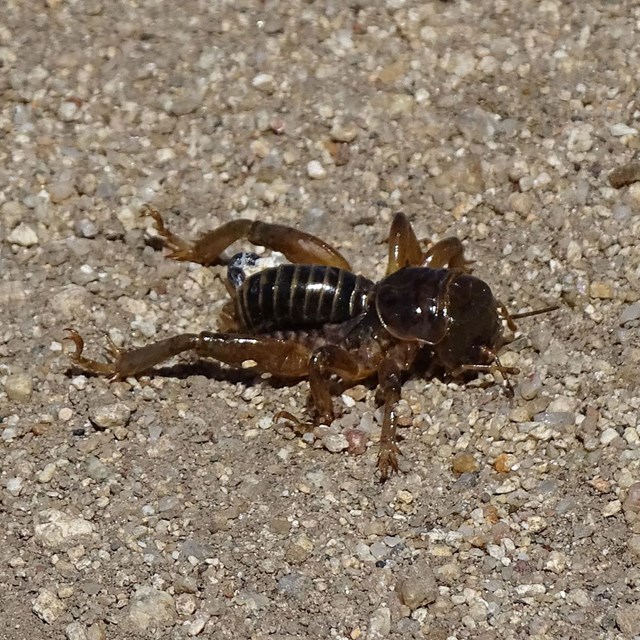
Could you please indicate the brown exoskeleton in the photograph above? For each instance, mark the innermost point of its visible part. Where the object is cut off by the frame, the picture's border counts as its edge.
(314, 318)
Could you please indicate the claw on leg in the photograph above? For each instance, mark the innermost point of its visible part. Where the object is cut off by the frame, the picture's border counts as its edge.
(388, 459)
(93, 366)
(180, 249)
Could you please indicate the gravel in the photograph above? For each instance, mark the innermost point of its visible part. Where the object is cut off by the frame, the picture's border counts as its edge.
(174, 506)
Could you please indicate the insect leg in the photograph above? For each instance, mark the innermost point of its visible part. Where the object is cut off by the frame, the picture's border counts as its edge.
(448, 253)
(398, 359)
(404, 247)
(297, 246)
(123, 363)
(324, 362)
(390, 385)
(280, 357)
(405, 250)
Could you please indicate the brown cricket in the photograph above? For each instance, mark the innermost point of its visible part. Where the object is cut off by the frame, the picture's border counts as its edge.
(314, 318)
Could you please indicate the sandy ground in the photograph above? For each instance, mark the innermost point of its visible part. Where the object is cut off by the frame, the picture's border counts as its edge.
(172, 506)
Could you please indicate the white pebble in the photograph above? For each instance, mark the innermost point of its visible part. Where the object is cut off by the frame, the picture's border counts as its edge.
(316, 171)
(608, 436)
(264, 82)
(68, 111)
(14, 486)
(335, 442)
(47, 473)
(48, 606)
(557, 562)
(18, 387)
(165, 154)
(65, 414)
(621, 129)
(23, 235)
(611, 508)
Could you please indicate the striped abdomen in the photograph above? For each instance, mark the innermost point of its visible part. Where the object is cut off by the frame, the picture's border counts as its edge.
(300, 296)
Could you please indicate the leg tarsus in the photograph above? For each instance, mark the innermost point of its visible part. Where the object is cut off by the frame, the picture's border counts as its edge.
(99, 368)
(388, 459)
(132, 362)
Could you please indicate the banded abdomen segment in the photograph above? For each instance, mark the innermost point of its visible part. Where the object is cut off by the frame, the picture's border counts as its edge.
(300, 296)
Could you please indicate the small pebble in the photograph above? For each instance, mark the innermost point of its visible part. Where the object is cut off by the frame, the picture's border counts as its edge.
(196, 626)
(418, 589)
(628, 620)
(315, 170)
(48, 606)
(19, 387)
(556, 562)
(335, 442)
(150, 606)
(109, 416)
(621, 129)
(464, 463)
(634, 545)
(625, 175)
(85, 228)
(608, 436)
(186, 604)
(530, 386)
(631, 504)
(611, 508)
(23, 235)
(76, 631)
(65, 414)
(68, 111)
(14, 486)
(343, 132)
(46, 475)
(504, 462)
(630, 313)
(96, 632)
(379, 624)
(601, 290)
(357, 441)
(61, 191)
(264, 82)
(57, 528)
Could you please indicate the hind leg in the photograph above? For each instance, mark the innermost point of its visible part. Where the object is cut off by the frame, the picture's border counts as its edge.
(284, 358)
(297, 246)
(405, 250)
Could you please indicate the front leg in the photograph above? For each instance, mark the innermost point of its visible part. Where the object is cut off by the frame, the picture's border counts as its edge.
(326, 361)
(390, 381)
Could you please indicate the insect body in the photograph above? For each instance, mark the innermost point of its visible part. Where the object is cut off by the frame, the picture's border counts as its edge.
(314, 318)
(298, 296)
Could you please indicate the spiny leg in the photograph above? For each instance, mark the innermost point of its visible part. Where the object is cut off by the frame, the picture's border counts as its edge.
(297, 246)
(390, 381)
(324, 362)
(284, 358)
